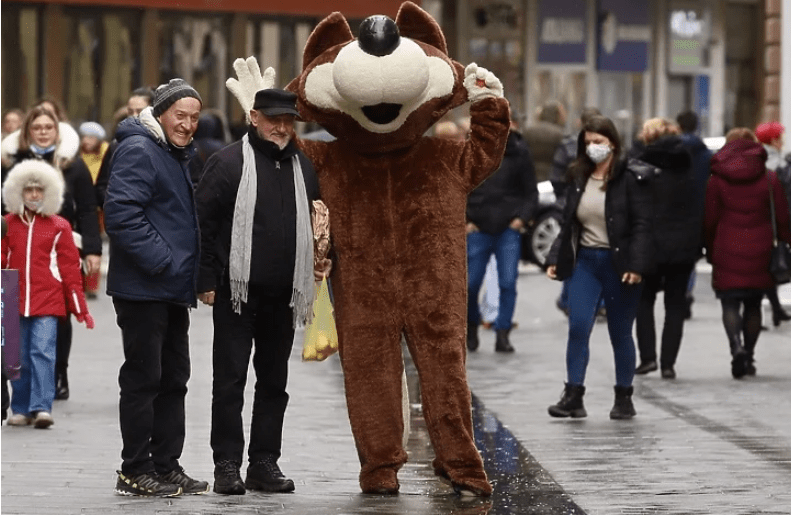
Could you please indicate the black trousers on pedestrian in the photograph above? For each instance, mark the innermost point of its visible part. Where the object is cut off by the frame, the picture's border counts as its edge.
(153, 381)
(63, 349)
(265, 319)
(673, 278)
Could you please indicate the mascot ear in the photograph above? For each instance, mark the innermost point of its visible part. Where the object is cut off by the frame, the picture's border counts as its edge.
(415, 23)
(332, 30)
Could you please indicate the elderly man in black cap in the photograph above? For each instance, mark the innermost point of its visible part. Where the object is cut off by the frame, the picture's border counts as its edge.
(152, 223)
(257, 272)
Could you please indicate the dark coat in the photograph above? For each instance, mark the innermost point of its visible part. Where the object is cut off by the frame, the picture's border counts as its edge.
(565, 154)
(150, 217)
(274, 222)
(509, 193)
(543, 139)
(737, 224)
(701, 162)
(677, 222)
(628, 211)
(79, 200)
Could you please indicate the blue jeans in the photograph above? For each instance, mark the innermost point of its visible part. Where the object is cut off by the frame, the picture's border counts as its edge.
(595, 277)
(35, 389)
(506, 248)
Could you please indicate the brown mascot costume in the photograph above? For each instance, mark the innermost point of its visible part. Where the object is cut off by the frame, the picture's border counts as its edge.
(397, 203)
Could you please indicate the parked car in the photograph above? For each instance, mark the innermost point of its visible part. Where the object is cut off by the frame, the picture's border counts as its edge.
(545, 227)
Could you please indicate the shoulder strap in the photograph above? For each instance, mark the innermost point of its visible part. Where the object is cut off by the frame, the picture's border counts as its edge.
(772, 210)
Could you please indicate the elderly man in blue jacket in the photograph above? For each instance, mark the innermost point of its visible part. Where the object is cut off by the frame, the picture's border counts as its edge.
(152, 223)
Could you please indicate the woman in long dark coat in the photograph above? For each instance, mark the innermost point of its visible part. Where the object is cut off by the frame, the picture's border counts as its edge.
(738, 239)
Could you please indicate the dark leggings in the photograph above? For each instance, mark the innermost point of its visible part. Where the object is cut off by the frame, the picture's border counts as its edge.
(738, 323)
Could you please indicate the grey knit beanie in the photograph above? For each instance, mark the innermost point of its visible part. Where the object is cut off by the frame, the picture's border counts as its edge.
(167, 94)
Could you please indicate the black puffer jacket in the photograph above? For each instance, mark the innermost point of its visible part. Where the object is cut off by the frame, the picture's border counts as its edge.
(509, 193)
(677, 222)
(628, 212)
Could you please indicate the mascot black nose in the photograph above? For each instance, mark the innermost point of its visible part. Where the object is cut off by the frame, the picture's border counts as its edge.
(379, 35)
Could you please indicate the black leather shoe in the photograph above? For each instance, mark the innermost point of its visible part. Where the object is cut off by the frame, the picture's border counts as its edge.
(264, 475)
(780, 316)
(472, 337)
(502, 343)
(646, 367)
(668, 373)
(227, 480)
(62, 387)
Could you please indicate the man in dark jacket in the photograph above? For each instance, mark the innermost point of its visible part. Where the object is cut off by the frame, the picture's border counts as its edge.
(257, 271)
(544, 136)
(151, 220)
(497, 212)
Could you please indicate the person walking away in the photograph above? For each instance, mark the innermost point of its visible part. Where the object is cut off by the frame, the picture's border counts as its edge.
(497, 212)
(604, 248)
(544, 136)
(701, 159)
(677, 227)
(738, 238)
(257, 273)
(93, 147)
(152, 224)
(40, 244)
(43, 136)
(771, 137)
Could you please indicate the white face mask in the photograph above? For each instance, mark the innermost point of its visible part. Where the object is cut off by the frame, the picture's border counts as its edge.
(34, 205)
(598, 152)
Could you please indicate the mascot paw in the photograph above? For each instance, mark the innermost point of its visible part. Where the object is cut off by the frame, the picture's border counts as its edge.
(250, 81)
(481, 83)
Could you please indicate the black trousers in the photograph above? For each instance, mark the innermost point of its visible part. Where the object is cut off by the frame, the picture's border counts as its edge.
(63, 349)
(674, 279)
(153, 381)
(265, 319)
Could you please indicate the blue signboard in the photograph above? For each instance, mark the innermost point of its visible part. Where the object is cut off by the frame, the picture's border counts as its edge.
(624, 34)
(562, 32)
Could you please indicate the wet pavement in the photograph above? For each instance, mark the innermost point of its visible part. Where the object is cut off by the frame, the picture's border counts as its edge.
(703, 443)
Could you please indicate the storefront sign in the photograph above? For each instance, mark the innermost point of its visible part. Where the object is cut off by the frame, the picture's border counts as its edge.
(624, 35)
(561, 32)
(689, 34)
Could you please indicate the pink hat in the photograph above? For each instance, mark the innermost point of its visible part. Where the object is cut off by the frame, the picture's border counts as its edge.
(766, 132)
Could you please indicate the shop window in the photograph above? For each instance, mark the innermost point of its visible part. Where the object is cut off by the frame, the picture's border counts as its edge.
(21, 44)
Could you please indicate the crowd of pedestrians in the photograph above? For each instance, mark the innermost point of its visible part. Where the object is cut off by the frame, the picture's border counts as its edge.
(186, 216)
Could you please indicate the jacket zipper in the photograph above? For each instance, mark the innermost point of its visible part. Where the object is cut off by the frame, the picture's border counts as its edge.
(27, 265)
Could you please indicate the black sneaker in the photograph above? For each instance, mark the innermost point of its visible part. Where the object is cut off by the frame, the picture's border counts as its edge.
(265, 475)
(146, 485)
(187, 484)
(227, 480)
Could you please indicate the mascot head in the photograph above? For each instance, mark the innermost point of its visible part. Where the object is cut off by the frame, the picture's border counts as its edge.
(385, 89)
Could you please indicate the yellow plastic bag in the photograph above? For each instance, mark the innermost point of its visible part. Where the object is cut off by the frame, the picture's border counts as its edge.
(321, 337)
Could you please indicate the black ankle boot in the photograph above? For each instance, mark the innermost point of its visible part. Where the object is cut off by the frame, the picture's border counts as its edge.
(570, 404)
(62, 386)
(502, 343)
(740, 357)
(623, 408)
(780, 315)
(472, 337)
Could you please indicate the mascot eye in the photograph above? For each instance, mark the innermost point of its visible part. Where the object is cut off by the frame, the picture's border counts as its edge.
(379, 35)
(382, 113)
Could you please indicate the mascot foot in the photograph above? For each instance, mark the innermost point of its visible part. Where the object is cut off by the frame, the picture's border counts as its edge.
(380, 482)
(471, 487)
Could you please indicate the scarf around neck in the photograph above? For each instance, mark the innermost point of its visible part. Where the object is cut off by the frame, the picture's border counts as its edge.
(242, 240)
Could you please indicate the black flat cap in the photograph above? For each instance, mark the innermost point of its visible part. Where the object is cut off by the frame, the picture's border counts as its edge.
(274, 102)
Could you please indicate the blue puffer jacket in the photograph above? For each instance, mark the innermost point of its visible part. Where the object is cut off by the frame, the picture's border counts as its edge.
(150, 217)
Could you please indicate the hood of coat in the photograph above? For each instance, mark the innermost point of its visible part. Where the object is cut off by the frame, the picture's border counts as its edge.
(65, 150)
(668, 154)
(148, 126)
(740, 161)
(43, 174)
(693, 142)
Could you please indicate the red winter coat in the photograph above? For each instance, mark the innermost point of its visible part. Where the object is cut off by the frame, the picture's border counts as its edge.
(50, 282)
(737, 225)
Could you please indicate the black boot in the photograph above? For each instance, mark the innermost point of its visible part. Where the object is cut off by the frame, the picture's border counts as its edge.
(740, 358)
(472, 337)
(264, 475)
(570, 404)
(62, 386)
(502, 344)
(623, 408)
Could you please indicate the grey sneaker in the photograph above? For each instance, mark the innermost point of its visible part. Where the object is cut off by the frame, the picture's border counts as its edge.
(145, 485)
(187, 484)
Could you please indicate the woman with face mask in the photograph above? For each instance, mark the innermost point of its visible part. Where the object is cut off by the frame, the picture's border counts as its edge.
(604, 247)
(42, 137)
